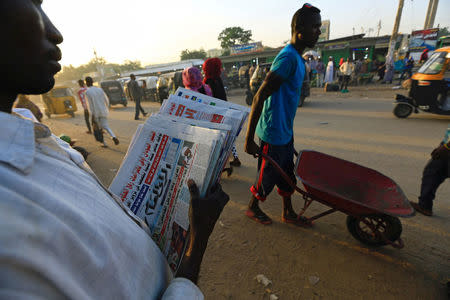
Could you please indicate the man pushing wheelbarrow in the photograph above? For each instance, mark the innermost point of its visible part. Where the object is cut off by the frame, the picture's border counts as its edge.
(372, 201)
(272, 116)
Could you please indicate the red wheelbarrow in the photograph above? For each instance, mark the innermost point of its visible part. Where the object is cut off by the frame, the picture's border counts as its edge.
(372, 201)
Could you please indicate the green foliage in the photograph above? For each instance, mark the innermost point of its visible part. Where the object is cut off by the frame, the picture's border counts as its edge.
(193, 54)
(226, 52)
(443, 32)
(70, 72)
(231, 36)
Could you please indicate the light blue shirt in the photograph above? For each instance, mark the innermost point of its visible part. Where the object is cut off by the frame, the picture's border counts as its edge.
(63, 234)
(275, 126)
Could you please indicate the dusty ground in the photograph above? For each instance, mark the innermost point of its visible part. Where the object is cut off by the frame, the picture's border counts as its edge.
(359, 127)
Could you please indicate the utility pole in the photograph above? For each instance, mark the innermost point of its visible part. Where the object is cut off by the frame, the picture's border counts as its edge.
(427, 16)
(431, 14)
(379, 27)
(353, 30)
(393, 40)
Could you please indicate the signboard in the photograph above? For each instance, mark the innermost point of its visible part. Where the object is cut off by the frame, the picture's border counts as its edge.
(247, 48)
(382, 43)
(337, 45)
(325, 29)
(421, 39)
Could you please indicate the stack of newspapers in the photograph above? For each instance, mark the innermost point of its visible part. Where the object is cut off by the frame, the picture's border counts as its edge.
(191, 137)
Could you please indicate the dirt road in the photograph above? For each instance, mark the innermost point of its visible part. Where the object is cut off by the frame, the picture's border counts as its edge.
(359, 127)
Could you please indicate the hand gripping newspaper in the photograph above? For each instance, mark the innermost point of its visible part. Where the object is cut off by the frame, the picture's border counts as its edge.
(186, 140)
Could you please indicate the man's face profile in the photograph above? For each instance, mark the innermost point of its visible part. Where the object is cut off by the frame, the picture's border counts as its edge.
(311, 30)
(29, 55)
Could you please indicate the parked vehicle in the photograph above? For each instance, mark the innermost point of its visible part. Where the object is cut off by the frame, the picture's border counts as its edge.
(444, 41)
(113, 89)
(243, 71)
(60, 100)
(148, 84)
(429, 88)
(163, 86)
(176, 81)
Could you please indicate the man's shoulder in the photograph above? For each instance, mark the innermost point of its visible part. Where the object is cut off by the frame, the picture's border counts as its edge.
(93, 90)
(289, 51)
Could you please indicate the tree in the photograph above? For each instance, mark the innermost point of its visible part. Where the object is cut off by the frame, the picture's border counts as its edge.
(193, 54)
(443, 32)
(74, 73)
(231, 36)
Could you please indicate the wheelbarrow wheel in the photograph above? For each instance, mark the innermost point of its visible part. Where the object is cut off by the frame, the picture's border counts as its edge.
(389, 226)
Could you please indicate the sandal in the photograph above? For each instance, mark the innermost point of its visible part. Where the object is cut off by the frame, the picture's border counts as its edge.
(259, 216)
(299, 221)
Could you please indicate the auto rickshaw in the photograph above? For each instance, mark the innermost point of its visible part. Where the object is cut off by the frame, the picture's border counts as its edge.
(113, 89)
(429, 88)
(163, 86)
(60, 100)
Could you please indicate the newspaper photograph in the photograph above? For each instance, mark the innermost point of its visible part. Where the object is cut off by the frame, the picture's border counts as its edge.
(177, 106)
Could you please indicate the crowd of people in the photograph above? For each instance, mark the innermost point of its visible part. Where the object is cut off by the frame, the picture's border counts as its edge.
(355, 71)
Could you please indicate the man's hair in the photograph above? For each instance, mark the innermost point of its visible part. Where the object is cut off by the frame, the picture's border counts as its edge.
(132, 76)
(300, 15)
(81, 82)
(89, 80)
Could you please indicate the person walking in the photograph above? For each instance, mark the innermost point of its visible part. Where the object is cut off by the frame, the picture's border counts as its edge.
(136, 94)
(193, 80)
(329, 75)
(212, 67)
(82, 97)
(346, 69)
(272, 117)
(99, 105)
(436, 171)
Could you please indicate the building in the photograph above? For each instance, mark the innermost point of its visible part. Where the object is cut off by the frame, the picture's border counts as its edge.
(214, 52)
(357, 47)
(165, 68)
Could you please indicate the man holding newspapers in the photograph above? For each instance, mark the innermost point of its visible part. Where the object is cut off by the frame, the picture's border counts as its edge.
(272, 117)
(62, 233)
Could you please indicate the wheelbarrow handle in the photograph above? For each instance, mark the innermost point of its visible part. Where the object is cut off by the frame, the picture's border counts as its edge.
(282, 173)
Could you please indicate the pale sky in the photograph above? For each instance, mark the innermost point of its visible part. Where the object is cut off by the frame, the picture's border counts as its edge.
(157, 31)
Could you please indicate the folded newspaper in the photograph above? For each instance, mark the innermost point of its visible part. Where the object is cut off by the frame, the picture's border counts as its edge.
(190, 138)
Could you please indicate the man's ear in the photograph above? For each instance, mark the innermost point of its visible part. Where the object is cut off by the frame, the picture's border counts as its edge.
(299, 32)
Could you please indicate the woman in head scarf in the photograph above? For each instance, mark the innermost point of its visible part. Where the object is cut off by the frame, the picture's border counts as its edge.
(212, 67)
(193, 80)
